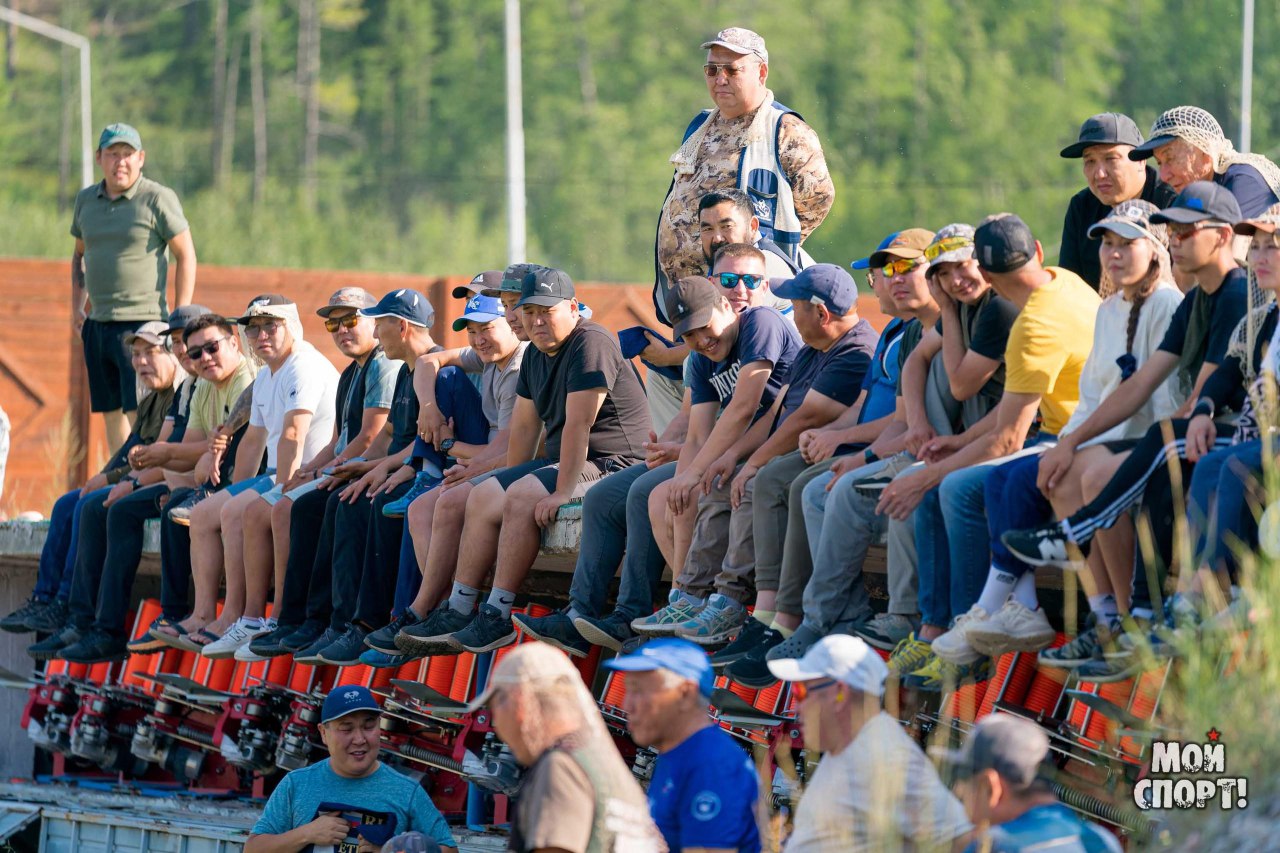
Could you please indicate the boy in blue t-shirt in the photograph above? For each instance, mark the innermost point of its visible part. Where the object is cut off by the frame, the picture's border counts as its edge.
(350, 796)
(704, 786)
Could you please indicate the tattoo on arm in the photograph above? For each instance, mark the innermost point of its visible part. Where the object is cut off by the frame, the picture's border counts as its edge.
(239, 415)
(77, 270)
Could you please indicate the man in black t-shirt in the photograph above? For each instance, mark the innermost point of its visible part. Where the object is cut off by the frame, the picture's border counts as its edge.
(577, 390)
(1103, 147)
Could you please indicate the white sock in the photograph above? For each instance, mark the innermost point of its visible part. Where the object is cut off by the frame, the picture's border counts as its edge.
(464, 598)
(503, 600)
(1024, 591)
(1104, 607)
(997, 589)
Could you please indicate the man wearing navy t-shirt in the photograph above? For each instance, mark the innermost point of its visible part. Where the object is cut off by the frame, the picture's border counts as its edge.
(704, 787)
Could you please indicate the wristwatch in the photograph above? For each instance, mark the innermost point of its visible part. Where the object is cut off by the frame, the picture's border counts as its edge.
(447, 445)
(869, 456)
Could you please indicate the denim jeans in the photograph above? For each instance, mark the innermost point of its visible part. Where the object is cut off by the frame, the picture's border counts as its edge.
(616, 531)
(58, 556)
(175, 561)
(1217, 506)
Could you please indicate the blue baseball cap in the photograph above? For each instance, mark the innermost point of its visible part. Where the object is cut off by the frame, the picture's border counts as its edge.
(406, 304)
(480, 309)
(865, 263)
(670, 653)
(346, 699)
(583, 311)
(1198, 201)
(822, 284)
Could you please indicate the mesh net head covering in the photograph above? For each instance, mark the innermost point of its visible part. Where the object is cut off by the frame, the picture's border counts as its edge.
(1137, 212)
(1244, 339)
(1202, 130)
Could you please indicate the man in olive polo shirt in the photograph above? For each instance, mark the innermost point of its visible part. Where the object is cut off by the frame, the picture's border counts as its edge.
(123, 227)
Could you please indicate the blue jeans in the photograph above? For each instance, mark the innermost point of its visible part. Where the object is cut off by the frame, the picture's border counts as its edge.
(1217, 504)
(1014, 502)
(408, 574)
(616, 531)
(58, 556)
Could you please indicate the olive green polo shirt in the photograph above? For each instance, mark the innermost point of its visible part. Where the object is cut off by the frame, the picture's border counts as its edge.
(125, 248)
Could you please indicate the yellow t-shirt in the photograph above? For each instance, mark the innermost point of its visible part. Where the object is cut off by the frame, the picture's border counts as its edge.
(210, 404)
(1049, 344)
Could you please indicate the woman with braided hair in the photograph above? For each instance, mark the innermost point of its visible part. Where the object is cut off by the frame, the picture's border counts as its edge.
(1140, 301)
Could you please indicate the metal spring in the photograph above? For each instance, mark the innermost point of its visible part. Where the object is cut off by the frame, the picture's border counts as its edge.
(435, 759)
(197, 735)
(1109, 812)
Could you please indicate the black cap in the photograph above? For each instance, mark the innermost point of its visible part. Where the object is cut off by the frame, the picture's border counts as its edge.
(180, 317)
(1003, 244)
(546, 286)
(1198, 201)
(266, 305)
(691, 303)
(487, 280)
(1104, 129)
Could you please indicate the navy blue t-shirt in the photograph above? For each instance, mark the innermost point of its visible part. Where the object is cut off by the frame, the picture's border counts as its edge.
(837, 373)
(1227, 307)
(763, 335)
(703, 794)
(1246, 183)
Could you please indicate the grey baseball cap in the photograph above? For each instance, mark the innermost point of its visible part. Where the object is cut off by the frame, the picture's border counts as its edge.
(1016, 748)
(740, 40)
(347, 297)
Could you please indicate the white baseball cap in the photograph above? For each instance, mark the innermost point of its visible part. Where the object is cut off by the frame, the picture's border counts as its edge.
(847, 659)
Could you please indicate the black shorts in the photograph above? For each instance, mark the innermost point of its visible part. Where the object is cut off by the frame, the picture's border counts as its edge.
(548, 471)
(112, 382)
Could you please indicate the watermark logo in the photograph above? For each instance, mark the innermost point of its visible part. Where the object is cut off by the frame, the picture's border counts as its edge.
(1190, 775)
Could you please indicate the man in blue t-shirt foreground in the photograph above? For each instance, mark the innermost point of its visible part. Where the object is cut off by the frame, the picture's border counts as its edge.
(350, 801)
(1002, 775)
(704, 787)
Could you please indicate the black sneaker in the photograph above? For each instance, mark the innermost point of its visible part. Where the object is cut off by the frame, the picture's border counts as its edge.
(16, 622)
(96, 647)
(1087, 646)
(1046, 545)
(752, 669)
(384, 639)
(612, 632)
(487, 631)
(748, 638)
(311, 654)
(1107, 670)
(50, 648)
(434, 635)
(346, 650)
(556, 630)
(50, 619)
(270, 644)
(304, 636)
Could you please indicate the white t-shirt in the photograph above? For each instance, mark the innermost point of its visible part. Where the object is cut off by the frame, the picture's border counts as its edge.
(880, 793)
(307, 381)
(1101, 374)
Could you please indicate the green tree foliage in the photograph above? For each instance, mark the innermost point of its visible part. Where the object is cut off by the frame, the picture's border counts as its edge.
(930, 111)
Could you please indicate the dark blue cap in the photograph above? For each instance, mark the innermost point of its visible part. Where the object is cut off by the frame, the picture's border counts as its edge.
(822, 284)
(480, 309)
(1198, 201)
(670, 653)
(346, 699)
(406, 304)
(865, 263)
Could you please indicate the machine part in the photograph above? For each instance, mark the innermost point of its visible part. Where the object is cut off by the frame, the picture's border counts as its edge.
(642, 769)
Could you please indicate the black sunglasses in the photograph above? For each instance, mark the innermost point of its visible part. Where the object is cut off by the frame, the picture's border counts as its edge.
(209, 349)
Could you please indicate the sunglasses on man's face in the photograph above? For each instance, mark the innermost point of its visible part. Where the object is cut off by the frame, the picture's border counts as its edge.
(210, 349)
(803, 689)
(730, 70)
(749, 281)
(347, 322)
(254, 329)
(902, 266)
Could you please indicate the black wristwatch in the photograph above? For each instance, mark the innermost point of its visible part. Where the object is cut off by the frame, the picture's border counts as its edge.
(869, 456)
(447, 445)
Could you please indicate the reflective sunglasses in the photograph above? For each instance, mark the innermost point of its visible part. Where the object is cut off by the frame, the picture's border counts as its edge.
(347, 322)
(210, 349)
(946, 244)
(1180, 231)
(749, 281)
(902, 266)
(802, 689)
(268, 329)
(713, 69)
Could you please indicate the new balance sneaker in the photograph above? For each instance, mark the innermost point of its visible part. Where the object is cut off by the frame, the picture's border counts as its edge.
(423, 482)
(96, 647)
(1046, 545)
(346, 650)
(239, 634)
(310, 655)
(886, 630)
(954, 646)
(1012, 628)
(663, 623)
(434, 634)
(487, 630)
(381, 660)
(50, 648)
(51, 618)
(611, 632)
(936, 675)
(909, 655)
(556, 629)
(748, 638)
(16, 622)
(715, 623)
(384, 639)
(246, 654)
(752, 670)
(181, 514)
(1088, 645)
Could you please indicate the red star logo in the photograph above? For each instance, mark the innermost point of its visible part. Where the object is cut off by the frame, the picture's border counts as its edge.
(1213, 734)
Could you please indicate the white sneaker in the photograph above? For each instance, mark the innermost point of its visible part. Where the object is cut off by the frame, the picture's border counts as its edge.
(239, 634)
(1014, 628)
(954, 646)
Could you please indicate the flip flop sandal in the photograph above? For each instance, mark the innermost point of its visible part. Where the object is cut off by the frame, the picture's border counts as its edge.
(208, 638)
(181, 640)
